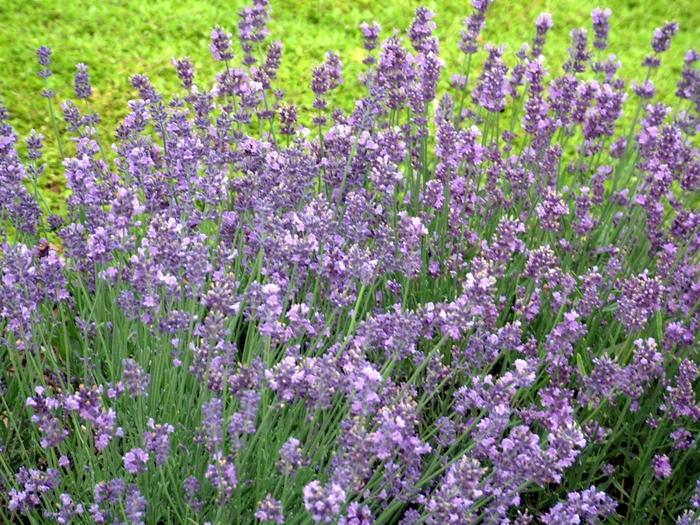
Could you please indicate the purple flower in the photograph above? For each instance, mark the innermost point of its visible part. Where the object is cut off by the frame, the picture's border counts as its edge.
(493, 87)
(324, 78)
(223, 476)
(243, 421)
(357, 515)
(288, 119)
(601, 26)
(109, 497)
(135, 461)
(273, 59)
(688, 517)
(543, 24)
(83, 89)
(662, 37)
(680, 399)
(646, 366)
(640, 298)
(35, 143)
(588, 506)
(16, 203)
(551, 210)
(109, 492)
(87, 403)
(290, 456)
(323, 503)
(252, 28)
(43, 55)
(191, 487)
(135, 380)
(55, 222)
(421, 31)
(34, 485)
(270, 510)
(606, 380)
(473, 26)
(212, 429)
(220, 45)
(456, 493)
(689, 85)
(68, 510)
(370, 33)
(185, 71)
(394, 72)
(646, 90)
(157, 440)
(661, 466)
(578, 52)
(682, 439)
(45, 408)
(135, 505)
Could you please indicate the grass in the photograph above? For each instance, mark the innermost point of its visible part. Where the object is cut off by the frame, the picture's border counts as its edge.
(119, 38)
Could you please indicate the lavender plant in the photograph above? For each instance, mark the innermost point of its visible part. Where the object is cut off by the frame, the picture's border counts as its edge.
(469, 303)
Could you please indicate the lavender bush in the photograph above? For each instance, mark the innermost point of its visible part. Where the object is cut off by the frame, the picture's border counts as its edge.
(478, 306)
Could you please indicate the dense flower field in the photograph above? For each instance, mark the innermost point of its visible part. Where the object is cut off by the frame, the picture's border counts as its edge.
(478, 306)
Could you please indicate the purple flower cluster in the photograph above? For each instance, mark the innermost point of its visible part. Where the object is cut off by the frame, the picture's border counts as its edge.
(135, 461)
(472, 307)
(17, 204)
(270, 511)
(323, 503)
(601, 27)
(588, 506)
(220, 45)
(474, 25)
(83, 89)
(33, 486)
(114, 499)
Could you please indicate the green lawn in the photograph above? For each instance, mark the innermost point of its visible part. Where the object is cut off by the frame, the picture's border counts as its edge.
(119, 38)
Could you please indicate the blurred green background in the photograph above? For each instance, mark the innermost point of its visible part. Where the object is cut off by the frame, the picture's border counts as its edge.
(120, 38)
